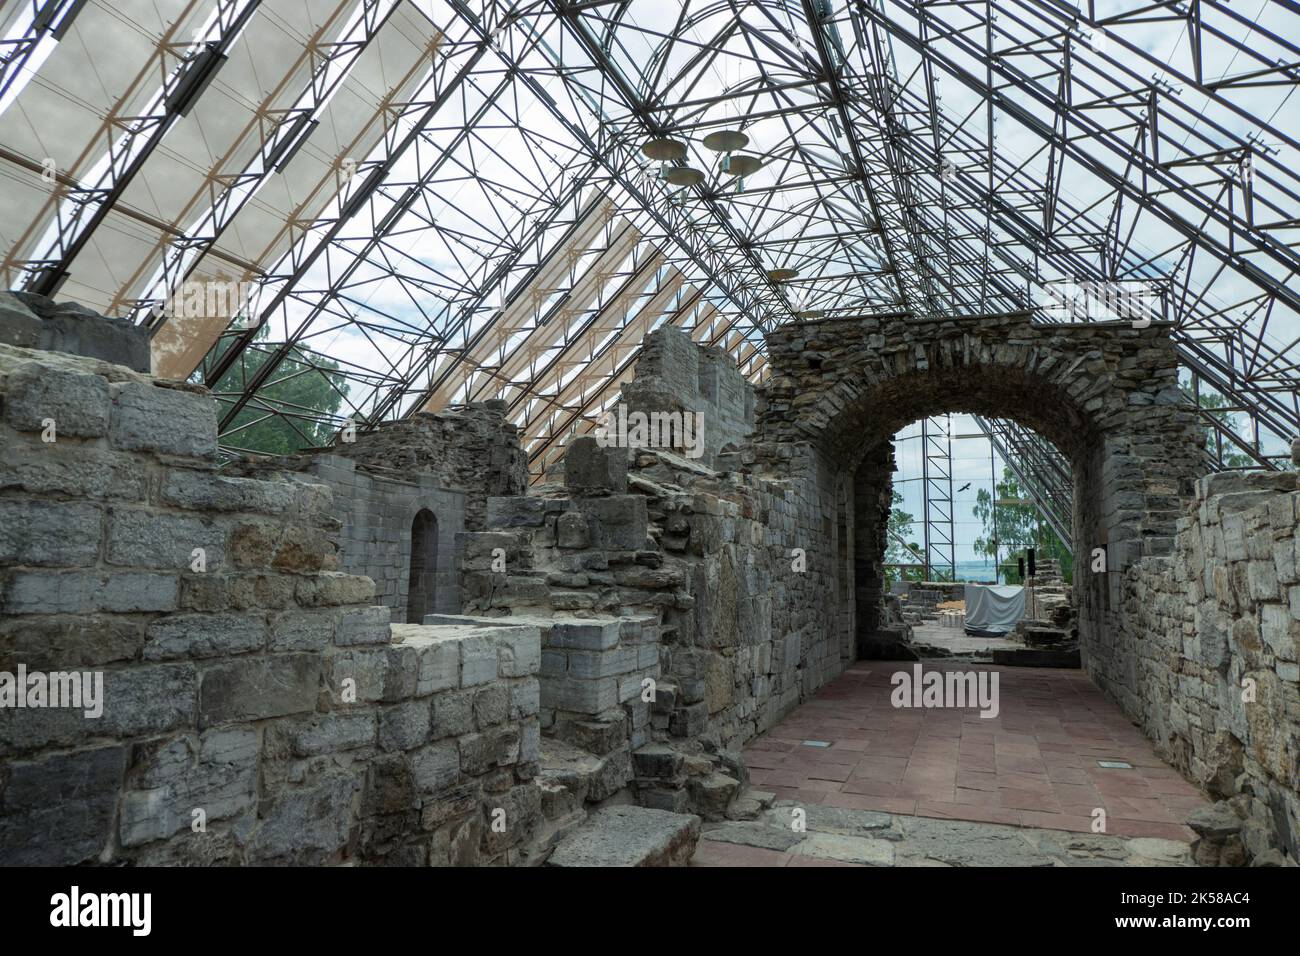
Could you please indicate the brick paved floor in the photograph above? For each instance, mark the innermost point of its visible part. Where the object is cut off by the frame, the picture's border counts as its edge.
(1034, 765)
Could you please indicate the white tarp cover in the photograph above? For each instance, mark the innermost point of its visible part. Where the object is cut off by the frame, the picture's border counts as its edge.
(993, 608)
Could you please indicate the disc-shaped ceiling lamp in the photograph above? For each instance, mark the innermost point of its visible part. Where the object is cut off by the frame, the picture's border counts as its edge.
(664, 149)
(683, 176)
(740, 164)
(781, 274)
(726, 141)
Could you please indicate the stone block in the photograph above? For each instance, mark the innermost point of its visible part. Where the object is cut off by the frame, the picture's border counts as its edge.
(150, 539)
(584, 635)
(582, 696)
(168, 782)
(364, 625)
(204, 635)
(439, 666)
(333, 733)
(525, 699)
(168, 421)
(572, 530)
(590, 468)
(404, 726)
(85, 592)
(78, 403)
(494, 748)
(610, 663)
(453, 714)
(59, 808)
(478, 660)
(436, 767)
(621, 522)
(65, 534)
(302, 630)
(305, 826)
(207, 491)
(257, 688)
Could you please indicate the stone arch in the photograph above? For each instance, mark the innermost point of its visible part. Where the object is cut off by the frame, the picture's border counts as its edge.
(1106, 394)
(422, 587)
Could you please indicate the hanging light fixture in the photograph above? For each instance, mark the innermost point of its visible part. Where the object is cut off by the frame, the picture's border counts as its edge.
(683, 176)
(782, 274)
(726, 141)
(741, 165)
(664, 149)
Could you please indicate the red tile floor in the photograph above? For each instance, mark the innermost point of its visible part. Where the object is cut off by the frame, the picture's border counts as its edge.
(1033, 765)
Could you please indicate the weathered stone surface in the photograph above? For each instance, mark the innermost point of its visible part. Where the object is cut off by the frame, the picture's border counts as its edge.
(630, 836)
(257, 688)
(215, 776)
(165, 420)
(78, 403)
(58, 808)
(592, 469)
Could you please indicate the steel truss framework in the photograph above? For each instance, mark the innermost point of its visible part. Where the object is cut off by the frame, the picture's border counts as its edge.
(467, 212)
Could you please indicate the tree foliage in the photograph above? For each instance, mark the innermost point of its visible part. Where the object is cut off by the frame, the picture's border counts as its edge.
(1009, 529)
(305, 382)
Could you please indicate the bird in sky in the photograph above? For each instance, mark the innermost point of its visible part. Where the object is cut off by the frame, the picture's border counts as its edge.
(963, 487)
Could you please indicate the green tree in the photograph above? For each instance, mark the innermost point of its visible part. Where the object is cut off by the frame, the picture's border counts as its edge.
(1011, 528)
(306, 383)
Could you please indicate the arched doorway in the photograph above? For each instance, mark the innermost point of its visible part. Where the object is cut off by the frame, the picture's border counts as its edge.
(421, 591)
(1104, 394)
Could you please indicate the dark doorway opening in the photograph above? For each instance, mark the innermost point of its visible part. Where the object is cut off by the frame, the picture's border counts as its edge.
(422, 588)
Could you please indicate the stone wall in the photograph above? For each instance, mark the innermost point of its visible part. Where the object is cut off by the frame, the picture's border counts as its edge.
(470, 449)
(377, 512)
(1210, 633)
(741, 587)
(674, 374)
(255, 707)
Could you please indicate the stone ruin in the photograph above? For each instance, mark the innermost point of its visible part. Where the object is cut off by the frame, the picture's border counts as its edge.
(567, 674)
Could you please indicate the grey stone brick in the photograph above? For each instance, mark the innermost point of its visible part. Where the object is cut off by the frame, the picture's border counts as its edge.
(333, 732)
(217, 774)
(436, 767)
(584, 635)
(259, 687)
(148, 539)
(306, 826)
(85, 592)
(78, 402)
(59, 807)
(164, 420)
(302, 630)
(478, 660)
(364, 625)
(404, 726)
(453, 714)
(59, 533)
(205, 635)
(207, 491)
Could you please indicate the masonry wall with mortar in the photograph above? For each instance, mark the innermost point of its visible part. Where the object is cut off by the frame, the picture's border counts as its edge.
(674, 374)
(1215, 630)
(259, 710)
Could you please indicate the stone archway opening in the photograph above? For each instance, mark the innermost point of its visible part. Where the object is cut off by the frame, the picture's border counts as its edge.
(911, 562)
(1105, 394)
(422, 584)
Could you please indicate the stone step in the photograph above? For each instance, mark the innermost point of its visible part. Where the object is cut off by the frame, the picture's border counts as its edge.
(587, 777)
(1026, 657)
(630, 836)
